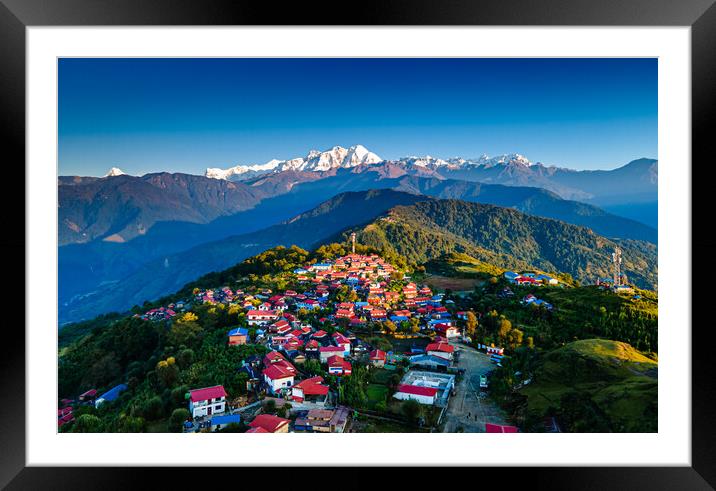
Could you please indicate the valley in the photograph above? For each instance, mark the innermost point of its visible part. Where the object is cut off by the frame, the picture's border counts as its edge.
(157, 230)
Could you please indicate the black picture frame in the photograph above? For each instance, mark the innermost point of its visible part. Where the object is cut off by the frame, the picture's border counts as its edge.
(16, 15)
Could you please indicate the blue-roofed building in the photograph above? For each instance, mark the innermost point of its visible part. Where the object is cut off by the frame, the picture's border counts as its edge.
(300, 271)
(238, 335)
(398, 318)
(111, 395)
(219, 422)
(510, 275)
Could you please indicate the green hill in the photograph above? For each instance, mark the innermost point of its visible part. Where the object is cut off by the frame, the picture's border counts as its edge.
(507, 239)
(596, 385)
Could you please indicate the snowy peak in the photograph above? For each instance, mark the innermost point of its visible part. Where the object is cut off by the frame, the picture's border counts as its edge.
(484, 161)
(114, 171)
(314, 161)
(507, 159)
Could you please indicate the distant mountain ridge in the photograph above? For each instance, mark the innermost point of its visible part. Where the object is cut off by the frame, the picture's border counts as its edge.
(418, 227)
(638, 176)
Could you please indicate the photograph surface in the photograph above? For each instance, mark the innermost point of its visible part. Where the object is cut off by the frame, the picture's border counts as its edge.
(357, 245)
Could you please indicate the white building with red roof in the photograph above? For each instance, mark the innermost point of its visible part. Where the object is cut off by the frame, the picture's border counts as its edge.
(207, 401)
(311, 389)
(338, 366)
(326, 352)
(279, 376)
(377, 358)
(443, 350)
(261, 317)
(424, 395)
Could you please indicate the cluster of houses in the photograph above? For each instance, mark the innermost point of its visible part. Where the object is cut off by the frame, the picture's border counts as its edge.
(88, 398)
(278, 322)
(530, 299)
(529, 278)
(158, 314)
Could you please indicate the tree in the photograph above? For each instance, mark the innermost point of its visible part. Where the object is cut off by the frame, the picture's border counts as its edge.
(412, 410)
(471, 323)
(177, 419)
(88, 423)
(514, 338)
(415, 324)
(503, 327)
(390, 327)
(168, 371)
(189, 317)
(185, 358)
(183, 333)
(130, 424)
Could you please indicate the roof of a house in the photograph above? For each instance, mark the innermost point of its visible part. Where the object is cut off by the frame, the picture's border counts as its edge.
(268, 422)
(225, 419)
(257, 429)
(330, 349)
(377, 354)
(278, 371)
(114, 392)
(493, 428)
(207, 393)
(443, 347)
(312, 386)
(417, 390)
(238, 331)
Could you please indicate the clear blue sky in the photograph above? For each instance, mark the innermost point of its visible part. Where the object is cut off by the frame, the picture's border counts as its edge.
(183, 115)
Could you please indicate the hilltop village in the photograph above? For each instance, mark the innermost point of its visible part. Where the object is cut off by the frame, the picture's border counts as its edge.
(351, 344)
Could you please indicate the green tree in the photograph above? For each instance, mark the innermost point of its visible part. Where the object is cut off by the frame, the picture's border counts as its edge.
(177, 419)
(184, 333)
(131, 424)
(412, 410)
(88, 423)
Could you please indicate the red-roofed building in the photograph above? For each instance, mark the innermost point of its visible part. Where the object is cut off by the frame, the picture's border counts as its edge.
(424, 395)
(207, 401)
(328, 351)
(493, 428)
(446, 330)
(377, 358)
(279, 376)
(338, 366)
(270, 423)
(342, 342)
(258, 429)
(260, 317)
(311, 389)
(443, 350)
(344, 314)
(311, 346)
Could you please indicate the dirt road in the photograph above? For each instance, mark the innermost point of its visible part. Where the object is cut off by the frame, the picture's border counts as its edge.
(467, 409)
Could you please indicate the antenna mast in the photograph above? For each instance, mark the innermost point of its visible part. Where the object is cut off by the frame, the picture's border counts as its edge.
(617, 260)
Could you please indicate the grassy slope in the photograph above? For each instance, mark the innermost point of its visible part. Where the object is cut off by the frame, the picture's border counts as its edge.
(621, 381)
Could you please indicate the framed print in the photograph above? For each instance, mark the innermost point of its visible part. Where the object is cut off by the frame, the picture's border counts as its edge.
(422, 229)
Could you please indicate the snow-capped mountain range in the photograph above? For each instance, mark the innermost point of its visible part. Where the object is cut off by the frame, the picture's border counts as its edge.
(316, 161)
(483, 161)
(339, 157)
